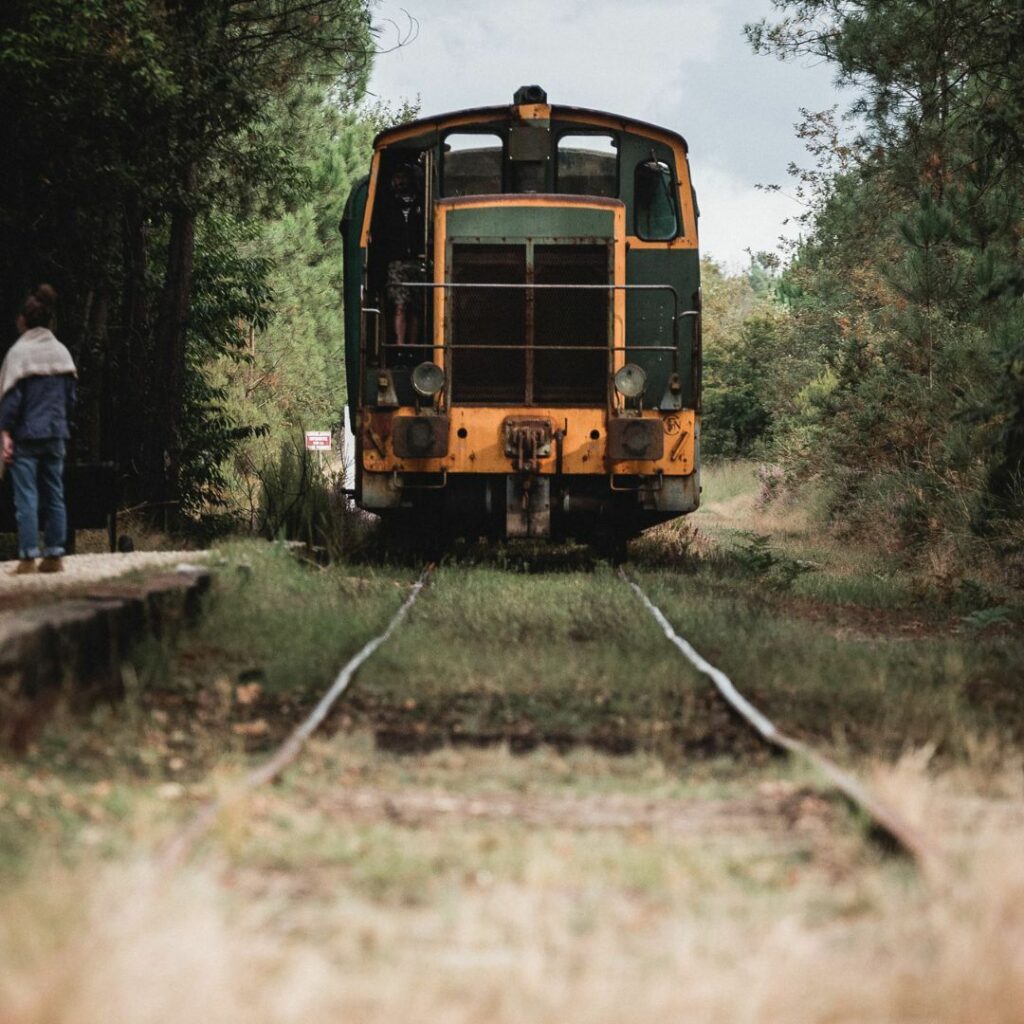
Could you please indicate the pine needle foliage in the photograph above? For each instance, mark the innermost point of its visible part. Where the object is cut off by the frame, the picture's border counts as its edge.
(895, 367)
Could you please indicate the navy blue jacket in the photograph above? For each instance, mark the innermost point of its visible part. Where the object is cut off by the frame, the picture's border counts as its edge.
(38, 408)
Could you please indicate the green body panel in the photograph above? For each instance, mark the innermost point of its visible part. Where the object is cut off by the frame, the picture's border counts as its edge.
(521, 222)
(649, 320)
(353, 259)
(634, 150)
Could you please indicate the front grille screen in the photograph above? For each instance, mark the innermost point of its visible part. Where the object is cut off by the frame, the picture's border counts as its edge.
(515, 318)
(571, 317)
(488, 316)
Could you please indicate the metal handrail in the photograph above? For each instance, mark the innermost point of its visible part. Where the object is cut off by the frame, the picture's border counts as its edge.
(526, 348)
(526, 284)
(529, 349)
(433, 285)
(676, 315)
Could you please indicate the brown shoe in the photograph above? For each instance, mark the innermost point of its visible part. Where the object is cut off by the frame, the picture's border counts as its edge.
(52, 564)
(24, 566)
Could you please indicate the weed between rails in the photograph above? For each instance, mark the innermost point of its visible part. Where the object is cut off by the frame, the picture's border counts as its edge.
(547, 655)
(527, 647)
(570, 657)
(559, 652)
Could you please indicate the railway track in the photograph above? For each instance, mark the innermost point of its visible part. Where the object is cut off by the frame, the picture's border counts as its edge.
(427, 806)
(182, 844)
(886, 822)
(884, 819)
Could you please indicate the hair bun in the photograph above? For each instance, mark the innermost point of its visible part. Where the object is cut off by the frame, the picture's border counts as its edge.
(46, 294)
(38, 307)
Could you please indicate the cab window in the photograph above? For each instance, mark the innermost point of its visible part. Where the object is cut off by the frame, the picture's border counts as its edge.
(588, 165)
(654, 199)
(471, 164)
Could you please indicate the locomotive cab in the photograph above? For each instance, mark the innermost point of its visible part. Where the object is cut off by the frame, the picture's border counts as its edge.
(523, 323)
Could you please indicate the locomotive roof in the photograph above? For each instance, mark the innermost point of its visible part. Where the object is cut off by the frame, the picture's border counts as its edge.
(508, 112)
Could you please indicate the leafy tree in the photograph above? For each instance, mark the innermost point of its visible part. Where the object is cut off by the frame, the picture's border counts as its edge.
(137, 131)
(291, 375)
(906, 291)
(734, 416)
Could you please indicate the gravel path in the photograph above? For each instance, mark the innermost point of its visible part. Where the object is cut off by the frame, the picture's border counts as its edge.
(81, 570)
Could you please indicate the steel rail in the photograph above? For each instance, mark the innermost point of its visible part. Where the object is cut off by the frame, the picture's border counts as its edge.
(883, 817)
(177, 850)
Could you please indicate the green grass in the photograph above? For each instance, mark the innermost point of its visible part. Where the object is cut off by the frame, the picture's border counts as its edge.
(575, 658)
(840, 654)
(571, 657)
(880, 695)
(289, 623)
(271, 619)
(561, 657)
(869, 588)
(480, 906)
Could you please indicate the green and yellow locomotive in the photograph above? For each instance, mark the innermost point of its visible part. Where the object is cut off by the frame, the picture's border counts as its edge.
(523, 323)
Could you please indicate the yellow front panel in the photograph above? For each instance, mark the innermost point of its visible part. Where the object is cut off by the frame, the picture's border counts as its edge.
(482, 448)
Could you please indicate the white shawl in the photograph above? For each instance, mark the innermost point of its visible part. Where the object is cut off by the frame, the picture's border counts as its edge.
(37, 353)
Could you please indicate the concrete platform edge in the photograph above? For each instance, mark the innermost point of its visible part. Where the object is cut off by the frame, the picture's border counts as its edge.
(73, 651)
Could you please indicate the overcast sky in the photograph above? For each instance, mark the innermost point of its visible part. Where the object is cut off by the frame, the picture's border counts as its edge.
(684, 64)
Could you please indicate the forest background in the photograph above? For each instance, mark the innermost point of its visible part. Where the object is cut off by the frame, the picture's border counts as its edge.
(178, 170)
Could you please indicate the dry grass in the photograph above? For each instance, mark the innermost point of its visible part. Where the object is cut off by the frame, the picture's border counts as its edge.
(472, 886)
(863, 565)
(563, 938)
(735, 504)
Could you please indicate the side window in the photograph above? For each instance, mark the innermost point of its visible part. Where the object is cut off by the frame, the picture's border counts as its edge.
(588, 165)
(471, 164)
(654, 197)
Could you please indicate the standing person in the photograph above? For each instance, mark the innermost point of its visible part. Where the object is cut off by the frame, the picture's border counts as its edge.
(402, 228)
(37, 393)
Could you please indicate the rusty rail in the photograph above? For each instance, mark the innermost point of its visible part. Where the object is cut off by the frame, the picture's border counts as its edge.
(888, 821)
(177, 850)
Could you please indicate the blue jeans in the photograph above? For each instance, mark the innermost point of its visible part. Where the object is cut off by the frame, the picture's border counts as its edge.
(37, 474)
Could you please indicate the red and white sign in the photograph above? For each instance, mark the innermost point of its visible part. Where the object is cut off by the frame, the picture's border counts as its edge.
(318, 440)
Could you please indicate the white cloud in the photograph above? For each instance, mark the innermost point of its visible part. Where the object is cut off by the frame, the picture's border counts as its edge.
(679, 63)
(630, 59)
(735, 216)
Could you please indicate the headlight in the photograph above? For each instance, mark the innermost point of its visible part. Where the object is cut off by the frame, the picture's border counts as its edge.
(630, 381)
(420, 435)
(427, 379)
